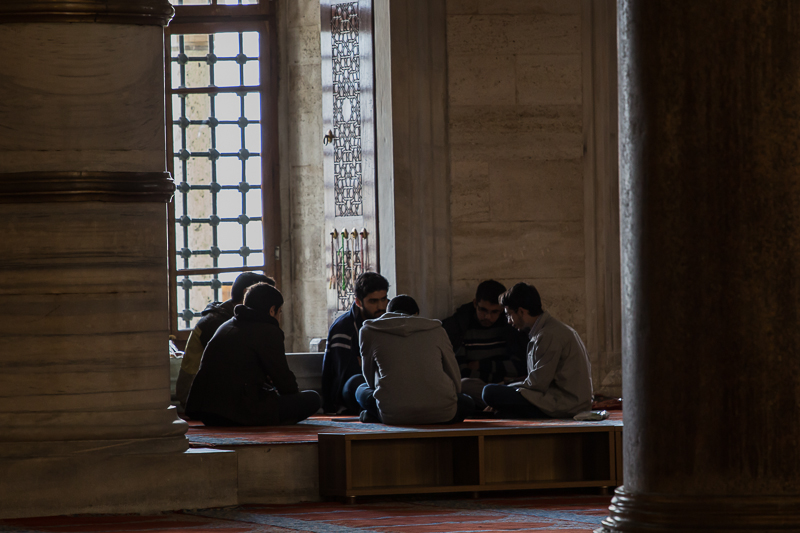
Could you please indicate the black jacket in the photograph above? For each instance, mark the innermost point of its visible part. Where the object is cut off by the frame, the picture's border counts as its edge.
(341, 360)
(243, 371)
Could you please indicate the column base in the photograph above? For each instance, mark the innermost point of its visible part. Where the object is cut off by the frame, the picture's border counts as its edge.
(670, 513)
(133, 483)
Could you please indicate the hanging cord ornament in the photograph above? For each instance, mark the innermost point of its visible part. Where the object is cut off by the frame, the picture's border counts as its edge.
(356, 251)
(364, 235)
(344, 261)
(332, 282)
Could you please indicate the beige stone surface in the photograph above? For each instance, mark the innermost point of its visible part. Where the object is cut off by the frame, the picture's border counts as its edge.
(133, 483)
(302, 214)
(514, 34)
(516, 7)
(68, 106)
(459, 7)
(475, 79)
(469, 191)
(549, 79)
(518, 250)
(278, 474)
(515, 132)
(84, 321)
(536, 190)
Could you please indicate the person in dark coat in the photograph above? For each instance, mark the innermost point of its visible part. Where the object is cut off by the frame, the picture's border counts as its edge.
(213, 316)
(244, 378)
(341, 364)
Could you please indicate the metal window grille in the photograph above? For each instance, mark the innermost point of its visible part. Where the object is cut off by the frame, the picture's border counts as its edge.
(216, 110)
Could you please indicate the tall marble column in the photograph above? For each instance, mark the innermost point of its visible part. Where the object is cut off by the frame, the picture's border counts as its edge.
(710, 216)
(85, 421)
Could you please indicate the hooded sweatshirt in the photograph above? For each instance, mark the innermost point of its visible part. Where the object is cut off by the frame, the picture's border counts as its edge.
(409, 362)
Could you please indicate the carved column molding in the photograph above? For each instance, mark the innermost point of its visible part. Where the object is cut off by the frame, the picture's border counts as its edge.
(30, 187)
(145, 12)
(710, 237)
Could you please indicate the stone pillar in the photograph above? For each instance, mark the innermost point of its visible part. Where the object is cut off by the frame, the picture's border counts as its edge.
(84, 380)
(710, 216)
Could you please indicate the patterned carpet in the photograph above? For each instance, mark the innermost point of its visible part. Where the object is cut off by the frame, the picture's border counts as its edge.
(307, 430)
(561, 514)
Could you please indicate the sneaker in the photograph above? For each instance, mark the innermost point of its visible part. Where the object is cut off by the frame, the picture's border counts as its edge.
(367, 418)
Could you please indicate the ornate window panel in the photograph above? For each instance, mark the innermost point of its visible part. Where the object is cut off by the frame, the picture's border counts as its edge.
(349, 153)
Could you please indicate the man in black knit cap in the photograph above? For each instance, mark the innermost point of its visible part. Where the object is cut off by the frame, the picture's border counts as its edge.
(244, 378)
(213, 316)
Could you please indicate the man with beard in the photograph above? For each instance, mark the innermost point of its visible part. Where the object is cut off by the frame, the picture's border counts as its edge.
(487, 348)
(341, 364)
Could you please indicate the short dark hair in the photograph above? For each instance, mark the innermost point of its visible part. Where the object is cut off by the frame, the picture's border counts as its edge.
(490, 291)
(369, 282)
(245, 280)
(263, 296)
(403, 303)
(524, 296)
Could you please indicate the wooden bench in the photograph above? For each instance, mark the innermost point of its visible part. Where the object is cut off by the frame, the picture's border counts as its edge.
(469, 460)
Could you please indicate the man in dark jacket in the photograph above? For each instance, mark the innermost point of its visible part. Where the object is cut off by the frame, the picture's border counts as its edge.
(244, 378)
(487, 348)
(341, 364)
(214, 315)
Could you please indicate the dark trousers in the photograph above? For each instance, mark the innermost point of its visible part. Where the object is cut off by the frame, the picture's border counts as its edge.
(349, 394)
(366, 399)
(509, 403)
(292, 408)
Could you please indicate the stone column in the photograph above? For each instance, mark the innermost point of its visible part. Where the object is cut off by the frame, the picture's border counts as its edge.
(84, 380)
(710, 216)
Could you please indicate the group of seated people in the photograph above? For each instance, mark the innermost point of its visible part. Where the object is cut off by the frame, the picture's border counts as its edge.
(500, 354)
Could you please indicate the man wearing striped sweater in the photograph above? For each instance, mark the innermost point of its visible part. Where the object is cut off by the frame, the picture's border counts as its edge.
(487, 348)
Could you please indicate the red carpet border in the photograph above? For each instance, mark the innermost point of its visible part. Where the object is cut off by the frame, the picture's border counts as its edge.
(557, 514)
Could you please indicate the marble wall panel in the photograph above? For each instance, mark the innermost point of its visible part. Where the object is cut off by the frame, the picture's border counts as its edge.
(484, 133)
(530, 7)
(536, 190)
(549, 79)
(478, 79)
(49, 124)
(469, 191)
(514, 34)
(302, 216)
(518, 250)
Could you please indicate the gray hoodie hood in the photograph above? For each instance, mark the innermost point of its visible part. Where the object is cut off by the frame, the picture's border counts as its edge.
(400, 324)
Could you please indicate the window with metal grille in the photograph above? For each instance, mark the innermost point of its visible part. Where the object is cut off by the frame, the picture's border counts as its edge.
(221, 101)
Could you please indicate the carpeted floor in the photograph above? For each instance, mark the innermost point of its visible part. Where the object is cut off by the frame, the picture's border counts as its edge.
(563, 514)
(307, 430)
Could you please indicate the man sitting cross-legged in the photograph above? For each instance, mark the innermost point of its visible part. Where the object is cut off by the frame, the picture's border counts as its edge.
(559, 383)
(410, 370)
(244, 378)
(214, 315)
(341, 364)
(488, 349)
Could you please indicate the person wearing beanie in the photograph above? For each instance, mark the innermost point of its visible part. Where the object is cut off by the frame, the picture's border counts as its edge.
(410, 372)
(213, 316)
(244, 378)
(559, 383)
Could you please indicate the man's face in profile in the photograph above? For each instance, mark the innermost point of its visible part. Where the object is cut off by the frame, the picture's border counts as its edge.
(373, 305)
(488, 313)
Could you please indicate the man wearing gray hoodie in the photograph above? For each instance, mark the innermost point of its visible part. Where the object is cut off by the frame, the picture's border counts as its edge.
(411, 372)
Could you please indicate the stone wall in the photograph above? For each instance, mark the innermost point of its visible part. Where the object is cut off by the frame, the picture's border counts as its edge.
(516, 148)
(303, 241)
